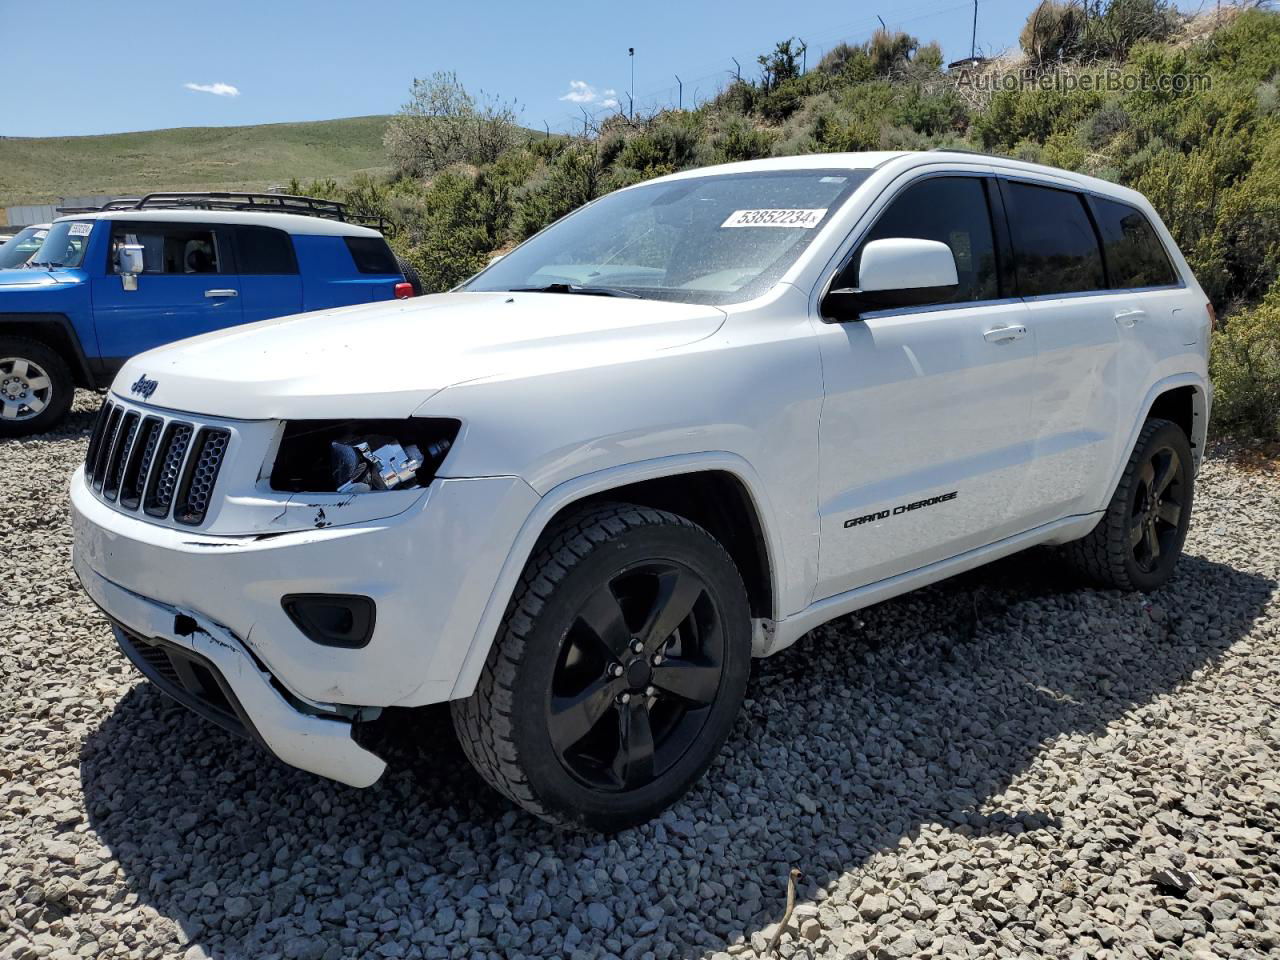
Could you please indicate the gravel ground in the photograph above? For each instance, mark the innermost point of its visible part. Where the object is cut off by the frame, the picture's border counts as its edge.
(1003, 765)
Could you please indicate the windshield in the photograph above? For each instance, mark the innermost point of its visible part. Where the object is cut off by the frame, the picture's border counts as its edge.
(65, 244)
(717, 239)
(18, 250)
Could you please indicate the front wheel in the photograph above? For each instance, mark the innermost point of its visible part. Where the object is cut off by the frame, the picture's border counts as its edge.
(1139, 539)
(618, 673)
(35, 387)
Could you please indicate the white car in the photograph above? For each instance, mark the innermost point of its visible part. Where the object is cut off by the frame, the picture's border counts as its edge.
(17, 249)
(677, 429)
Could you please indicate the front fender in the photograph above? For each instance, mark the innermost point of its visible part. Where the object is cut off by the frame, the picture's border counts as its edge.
(572, 491)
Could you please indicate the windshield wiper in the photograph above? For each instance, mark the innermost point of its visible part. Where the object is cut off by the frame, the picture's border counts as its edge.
(45, 263)
(575, 288)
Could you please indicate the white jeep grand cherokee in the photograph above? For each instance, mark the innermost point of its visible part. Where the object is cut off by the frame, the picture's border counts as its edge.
(677, 429)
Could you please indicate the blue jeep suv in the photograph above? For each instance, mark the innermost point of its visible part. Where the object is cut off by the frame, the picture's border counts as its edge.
(109, 283)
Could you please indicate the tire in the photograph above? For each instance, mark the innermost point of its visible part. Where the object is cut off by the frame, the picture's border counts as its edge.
(410, 274)
(1151, 505)
(553, 727)
(36, 388)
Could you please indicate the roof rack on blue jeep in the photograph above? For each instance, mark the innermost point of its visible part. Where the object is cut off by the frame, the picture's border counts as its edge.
(236, 200)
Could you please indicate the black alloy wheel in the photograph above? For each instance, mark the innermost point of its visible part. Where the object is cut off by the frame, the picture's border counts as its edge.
(636, 676)
(1136, 544)
(1157, 508)
(618, 673)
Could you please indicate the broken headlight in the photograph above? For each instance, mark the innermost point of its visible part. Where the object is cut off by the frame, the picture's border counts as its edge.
(360, 456)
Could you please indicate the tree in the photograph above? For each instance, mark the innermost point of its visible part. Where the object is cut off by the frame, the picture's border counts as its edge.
(443, 124)
(780, 65)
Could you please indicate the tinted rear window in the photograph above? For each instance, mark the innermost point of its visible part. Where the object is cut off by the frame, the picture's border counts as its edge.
(1053, 241)
(265, 250)
(1135, 256)
(372, 255)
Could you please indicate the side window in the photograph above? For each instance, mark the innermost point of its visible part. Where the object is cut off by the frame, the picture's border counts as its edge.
(1054, 244)
(372, 255)
(264, 250)
(169, 249)
(1135, 255)
(954, 211)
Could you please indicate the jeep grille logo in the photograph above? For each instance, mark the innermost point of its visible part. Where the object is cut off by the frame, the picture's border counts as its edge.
(144, 387)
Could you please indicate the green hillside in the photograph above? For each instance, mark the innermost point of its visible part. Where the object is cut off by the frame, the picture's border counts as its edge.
(39, 169)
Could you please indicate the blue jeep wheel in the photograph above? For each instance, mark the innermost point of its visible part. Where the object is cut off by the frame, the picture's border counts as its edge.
(35, 387)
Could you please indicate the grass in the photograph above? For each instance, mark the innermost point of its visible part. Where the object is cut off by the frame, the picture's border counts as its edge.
(42, 169)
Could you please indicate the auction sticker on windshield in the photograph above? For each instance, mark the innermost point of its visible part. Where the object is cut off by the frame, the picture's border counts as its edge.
(80, 230)
(808, 219)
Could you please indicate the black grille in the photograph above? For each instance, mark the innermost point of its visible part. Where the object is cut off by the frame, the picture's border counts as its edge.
(118, 454)
(166, 468)
(188, 678)
(157, 660)
(139, 462)
(201, 474)
(105, 443)
(95, 439)
(163, 482)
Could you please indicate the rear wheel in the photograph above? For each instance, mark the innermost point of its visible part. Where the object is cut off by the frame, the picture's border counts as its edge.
(618, 673)
(1137, 543)
(35, 387)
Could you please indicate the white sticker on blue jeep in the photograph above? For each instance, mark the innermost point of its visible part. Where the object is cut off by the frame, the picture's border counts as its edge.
(80, 229)
(806, 219)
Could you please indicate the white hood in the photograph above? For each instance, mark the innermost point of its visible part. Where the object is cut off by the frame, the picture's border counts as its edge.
(386, 359)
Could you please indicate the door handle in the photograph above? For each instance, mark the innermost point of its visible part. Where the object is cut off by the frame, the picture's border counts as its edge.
(1127, 318)
(222, 293)
(1001, 334)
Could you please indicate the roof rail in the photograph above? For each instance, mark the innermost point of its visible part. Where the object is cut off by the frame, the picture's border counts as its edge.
(976, 153)
(223, 200)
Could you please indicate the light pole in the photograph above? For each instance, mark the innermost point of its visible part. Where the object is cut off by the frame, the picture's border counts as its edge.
(631, 97)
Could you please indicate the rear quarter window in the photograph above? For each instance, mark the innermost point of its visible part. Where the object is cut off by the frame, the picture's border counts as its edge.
(265, 250)
(372, 255)
(1132, 248)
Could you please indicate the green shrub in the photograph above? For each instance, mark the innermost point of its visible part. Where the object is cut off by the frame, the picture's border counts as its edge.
(1033, 114)
(1245, 366)
(740, 139)
(671, 142)
(1125, 23)
(890, 52)
(574, 178)
(932, 112)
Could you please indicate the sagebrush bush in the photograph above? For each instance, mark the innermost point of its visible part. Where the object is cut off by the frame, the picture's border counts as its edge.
(1054, 31)
(1245, 366)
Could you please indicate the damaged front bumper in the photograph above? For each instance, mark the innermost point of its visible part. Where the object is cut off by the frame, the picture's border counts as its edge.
(205, 667)
(430, 572)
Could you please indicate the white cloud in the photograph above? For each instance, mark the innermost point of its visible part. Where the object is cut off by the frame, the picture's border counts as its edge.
(217, 89)
(582, 92)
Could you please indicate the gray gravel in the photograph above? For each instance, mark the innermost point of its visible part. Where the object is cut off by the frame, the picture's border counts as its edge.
(1004, 765)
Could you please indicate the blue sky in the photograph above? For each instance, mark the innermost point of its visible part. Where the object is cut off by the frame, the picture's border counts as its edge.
(93, 66)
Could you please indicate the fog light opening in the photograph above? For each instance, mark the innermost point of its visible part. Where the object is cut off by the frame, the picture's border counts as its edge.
(332, 620)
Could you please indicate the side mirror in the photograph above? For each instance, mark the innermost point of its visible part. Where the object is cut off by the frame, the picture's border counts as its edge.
(129, 263)
(896, 272)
